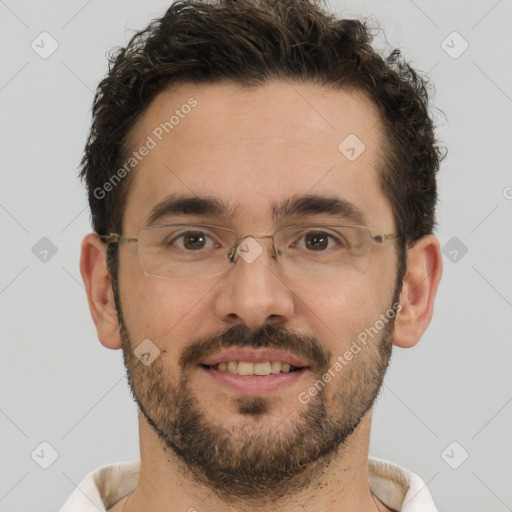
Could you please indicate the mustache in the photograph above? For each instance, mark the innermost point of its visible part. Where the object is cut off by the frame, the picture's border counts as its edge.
(266, 336)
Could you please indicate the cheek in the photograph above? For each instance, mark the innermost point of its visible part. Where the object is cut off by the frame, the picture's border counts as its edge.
(338, 312)
(162, 310)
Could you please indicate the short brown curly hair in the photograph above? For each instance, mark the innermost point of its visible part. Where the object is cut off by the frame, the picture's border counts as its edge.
(249, 42)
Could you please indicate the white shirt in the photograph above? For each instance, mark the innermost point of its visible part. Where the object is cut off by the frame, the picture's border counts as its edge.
(396, 487)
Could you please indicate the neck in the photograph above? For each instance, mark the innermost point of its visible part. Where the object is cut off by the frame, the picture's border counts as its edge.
(340, 483)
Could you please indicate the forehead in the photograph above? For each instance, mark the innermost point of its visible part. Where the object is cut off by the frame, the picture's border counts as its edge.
(254, 148)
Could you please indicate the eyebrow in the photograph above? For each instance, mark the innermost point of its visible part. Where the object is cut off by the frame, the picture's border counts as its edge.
(297, 206)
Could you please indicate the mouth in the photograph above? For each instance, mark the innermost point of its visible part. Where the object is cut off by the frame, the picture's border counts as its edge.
(255, 372)
(261, 368)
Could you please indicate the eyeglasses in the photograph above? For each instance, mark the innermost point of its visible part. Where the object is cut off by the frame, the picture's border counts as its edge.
(188, 251)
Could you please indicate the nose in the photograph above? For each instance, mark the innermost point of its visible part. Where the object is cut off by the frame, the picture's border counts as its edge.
(254, 290)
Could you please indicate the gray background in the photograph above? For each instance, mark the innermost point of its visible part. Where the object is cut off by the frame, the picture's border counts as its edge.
(60, 386)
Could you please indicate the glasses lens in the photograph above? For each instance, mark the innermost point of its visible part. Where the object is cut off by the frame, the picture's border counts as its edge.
(184, 251)
(324, 251)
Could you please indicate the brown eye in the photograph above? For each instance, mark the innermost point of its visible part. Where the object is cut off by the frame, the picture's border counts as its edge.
(317, 241)
(193, 241)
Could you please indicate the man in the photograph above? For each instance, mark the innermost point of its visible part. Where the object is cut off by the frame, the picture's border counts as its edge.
(262, 187)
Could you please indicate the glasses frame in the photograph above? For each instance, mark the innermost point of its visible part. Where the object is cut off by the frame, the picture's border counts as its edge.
(112, 238)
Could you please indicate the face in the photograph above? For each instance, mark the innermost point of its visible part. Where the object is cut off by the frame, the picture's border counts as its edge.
(253, 150)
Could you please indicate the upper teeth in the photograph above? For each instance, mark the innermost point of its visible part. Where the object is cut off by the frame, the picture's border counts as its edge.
(248, 368)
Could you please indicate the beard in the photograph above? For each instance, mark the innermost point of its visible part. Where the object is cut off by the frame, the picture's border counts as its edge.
(262, 459)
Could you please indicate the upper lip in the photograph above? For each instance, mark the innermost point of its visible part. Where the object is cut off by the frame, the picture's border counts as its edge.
(254, 356)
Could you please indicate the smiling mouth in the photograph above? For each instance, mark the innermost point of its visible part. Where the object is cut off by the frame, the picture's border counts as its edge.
(262, 368)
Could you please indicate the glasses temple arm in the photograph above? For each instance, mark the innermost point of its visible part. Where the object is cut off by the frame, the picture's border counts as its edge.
(386, 236)
(113, 238)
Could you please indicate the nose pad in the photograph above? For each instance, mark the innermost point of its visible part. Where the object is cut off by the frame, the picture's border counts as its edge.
(249, 249)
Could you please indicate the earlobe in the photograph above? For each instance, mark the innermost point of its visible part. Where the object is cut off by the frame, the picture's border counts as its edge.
(97, 281)
(424, 269)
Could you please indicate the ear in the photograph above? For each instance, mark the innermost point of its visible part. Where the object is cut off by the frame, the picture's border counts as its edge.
(424, 269)
(94, 270)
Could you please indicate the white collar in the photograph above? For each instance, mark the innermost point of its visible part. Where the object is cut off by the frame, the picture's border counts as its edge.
(398, 488)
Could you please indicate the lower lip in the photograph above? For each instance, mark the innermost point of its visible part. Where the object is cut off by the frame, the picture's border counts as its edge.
(254, 384)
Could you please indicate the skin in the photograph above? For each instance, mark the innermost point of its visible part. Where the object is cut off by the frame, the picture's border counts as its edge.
(250, 147)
